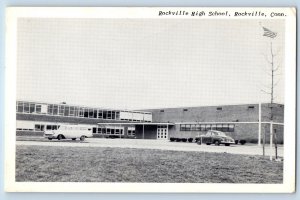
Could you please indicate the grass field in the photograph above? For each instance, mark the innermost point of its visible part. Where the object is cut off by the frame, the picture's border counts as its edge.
(84, 164)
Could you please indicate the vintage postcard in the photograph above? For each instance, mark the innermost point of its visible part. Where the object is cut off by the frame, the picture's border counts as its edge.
(185, 99)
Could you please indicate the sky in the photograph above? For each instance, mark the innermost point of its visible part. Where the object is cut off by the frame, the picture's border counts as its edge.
(147, 63)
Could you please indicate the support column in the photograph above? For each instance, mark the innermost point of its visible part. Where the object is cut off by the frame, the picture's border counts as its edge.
(259, 124)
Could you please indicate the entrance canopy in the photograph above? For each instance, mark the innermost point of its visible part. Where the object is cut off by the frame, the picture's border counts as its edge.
(159, 132)
(137, 123)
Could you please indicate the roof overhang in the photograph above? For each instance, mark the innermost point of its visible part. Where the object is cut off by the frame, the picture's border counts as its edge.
(137, 123)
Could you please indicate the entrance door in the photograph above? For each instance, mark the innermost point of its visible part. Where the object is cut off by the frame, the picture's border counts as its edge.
(162, 132)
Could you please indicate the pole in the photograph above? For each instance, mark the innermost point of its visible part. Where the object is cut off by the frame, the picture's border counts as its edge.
(264, 142)
(259, 124)
(143, 125)
(271, 139)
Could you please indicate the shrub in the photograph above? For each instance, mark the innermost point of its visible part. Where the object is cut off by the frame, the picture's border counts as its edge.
(253, 141)
(236, 141)
(243, 142)
(183, 139)
(190, 140)
(178, 139)
(172, 139)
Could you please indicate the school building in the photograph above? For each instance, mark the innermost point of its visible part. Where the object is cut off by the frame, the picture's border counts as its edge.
(250, 122)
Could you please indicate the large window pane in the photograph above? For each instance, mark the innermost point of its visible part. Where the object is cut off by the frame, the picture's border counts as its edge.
(61, 110)
(100, 114)
(95, 113)
(38, 108)
(117, 115)
(104, 114)
(20, 107)
(72, 111)
(66, 113)
(213, 127)
(81, 112)
(207, 127)
(50, 109)
(55, 109)
(91, 113)
(76, 111)
(86, 112)
(231, 128)
(32, 108)
(26, 107)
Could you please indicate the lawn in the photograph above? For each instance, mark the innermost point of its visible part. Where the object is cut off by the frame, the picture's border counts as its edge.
(95, 164)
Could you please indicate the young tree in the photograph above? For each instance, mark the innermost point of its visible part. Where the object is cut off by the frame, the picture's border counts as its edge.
(270, 89)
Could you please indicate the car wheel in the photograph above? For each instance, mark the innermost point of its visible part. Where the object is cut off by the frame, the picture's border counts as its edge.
(82, 138)
(49, 138)
(59, 137)
(217, 142)
(207, 143)
(227, 145)
(73, 138)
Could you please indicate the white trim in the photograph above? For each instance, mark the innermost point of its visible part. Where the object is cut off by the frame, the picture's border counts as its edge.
(136, 123)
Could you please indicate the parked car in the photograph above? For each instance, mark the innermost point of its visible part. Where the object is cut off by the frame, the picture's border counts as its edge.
(215, 137)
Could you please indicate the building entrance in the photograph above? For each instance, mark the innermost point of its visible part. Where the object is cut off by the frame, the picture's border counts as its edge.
(162, 132)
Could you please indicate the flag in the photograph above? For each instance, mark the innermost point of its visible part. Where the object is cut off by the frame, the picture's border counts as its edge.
(269, 33)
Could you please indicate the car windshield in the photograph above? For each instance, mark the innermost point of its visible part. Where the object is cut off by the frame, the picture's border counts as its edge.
(220, 133)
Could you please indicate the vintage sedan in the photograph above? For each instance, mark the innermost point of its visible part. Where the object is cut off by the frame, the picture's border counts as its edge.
(215, 137)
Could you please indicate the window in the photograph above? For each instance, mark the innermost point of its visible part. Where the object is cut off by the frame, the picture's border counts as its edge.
(55, 109)
(182, 127)
(225, 128)
(95, 113)
(250, 107)
(86, 112)
(91, 113)
(219, 127)
(32, 108)
(219, 108)
(113, 115)
(72, 111)
(76, 111)
(162, 111)
(207, 127)
(61, 110)
(193, 127)
(48, 127)
(66, 113)
(213, 127)
(104, 114)
(94, 130)
(185, 109)
(108, 115)
(117, 115)
(50, 109)
(20, 107)
(37, 127)
(230, 128)
(81, 112)
(26, 107)
(187, 127)
(100, 114)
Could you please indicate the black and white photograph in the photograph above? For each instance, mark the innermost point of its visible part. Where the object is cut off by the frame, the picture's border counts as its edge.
(150, 100)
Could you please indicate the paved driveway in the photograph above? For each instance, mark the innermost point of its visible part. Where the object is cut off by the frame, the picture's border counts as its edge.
(249, 149)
